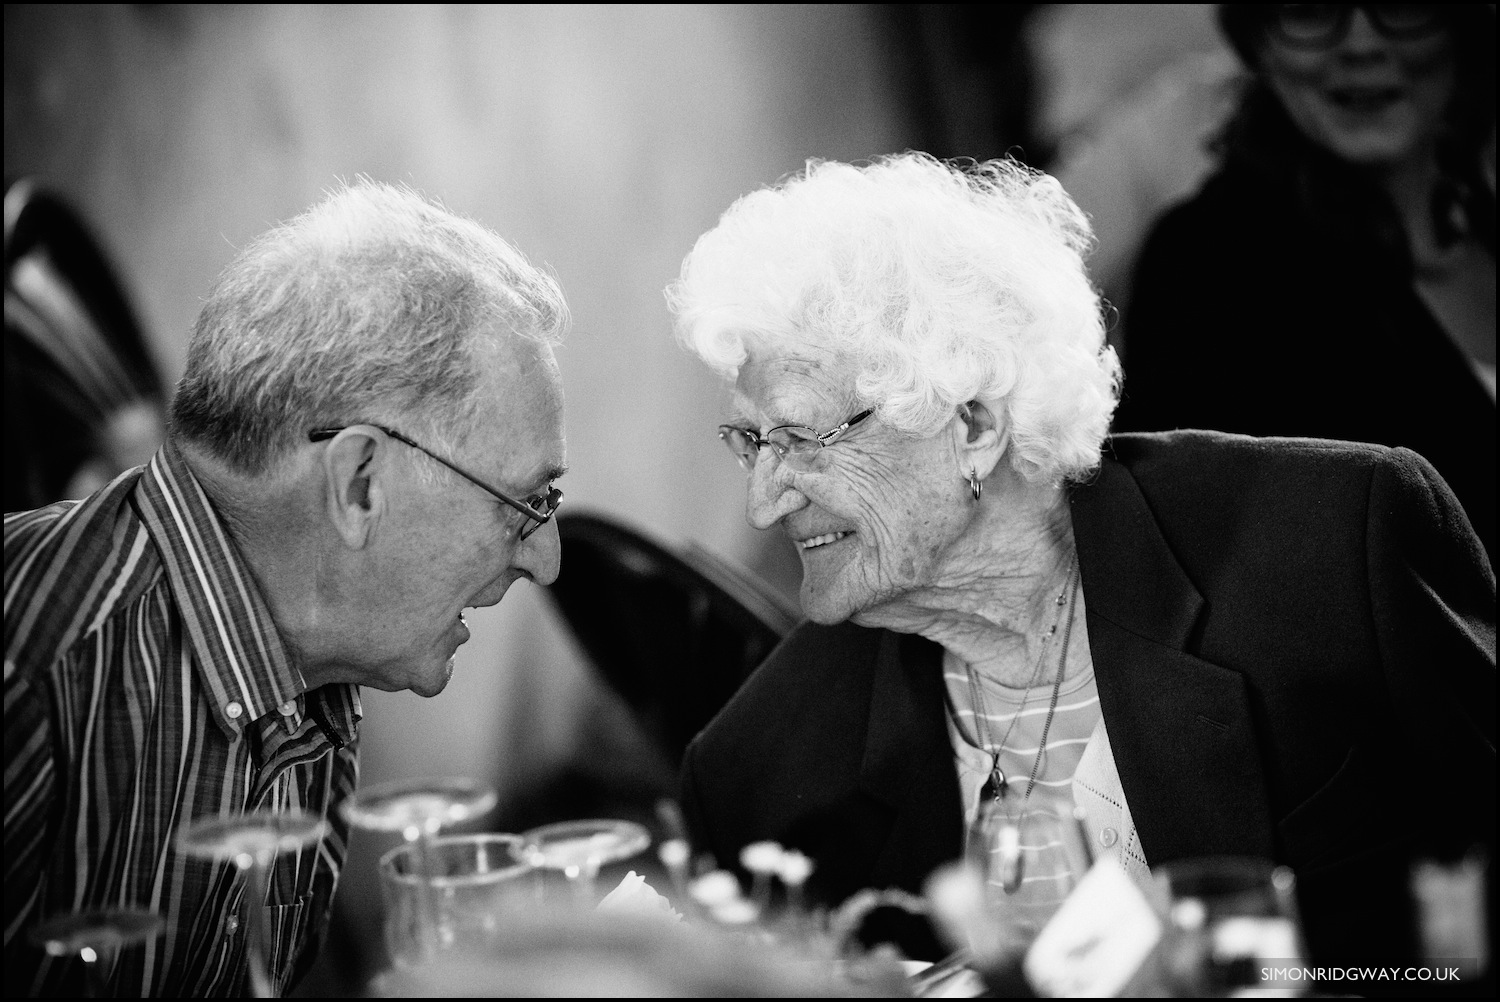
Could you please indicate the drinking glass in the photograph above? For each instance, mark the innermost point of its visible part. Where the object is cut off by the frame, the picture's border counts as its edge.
(580, 848)
(468, 881)
(419, 809)
(1231, 925)
(1031, 856)
(253, 841)
(95, 937)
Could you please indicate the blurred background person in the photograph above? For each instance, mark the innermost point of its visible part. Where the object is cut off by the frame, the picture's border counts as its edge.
(1127, 98)
(1336, 277)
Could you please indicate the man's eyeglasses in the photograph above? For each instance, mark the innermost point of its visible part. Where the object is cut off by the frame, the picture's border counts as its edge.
(539, 508)
(796, 445)
(1324, 25)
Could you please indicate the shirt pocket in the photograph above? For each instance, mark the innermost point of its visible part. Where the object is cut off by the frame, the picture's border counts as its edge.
(285, 927)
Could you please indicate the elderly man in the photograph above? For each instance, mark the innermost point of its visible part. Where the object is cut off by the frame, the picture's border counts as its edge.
(362, 447)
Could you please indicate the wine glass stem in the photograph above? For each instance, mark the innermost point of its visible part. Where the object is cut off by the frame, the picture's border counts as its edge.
(583, 884)
(256, 946)
(431, 920)
(93, 976)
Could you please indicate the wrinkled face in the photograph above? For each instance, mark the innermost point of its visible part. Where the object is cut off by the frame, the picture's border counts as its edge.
(875, 517)
(1370, 100)
(451, 546)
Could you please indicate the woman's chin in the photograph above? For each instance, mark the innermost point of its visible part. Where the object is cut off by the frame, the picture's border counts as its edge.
(823, 607)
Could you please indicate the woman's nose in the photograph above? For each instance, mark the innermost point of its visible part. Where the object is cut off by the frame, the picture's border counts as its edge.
(770, 496)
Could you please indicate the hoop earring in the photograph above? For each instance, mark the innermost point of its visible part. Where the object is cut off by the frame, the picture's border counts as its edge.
(975, 486)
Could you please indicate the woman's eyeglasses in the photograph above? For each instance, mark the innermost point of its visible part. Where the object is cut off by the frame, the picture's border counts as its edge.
(539, 508)
(796, 445)
(1324, 25)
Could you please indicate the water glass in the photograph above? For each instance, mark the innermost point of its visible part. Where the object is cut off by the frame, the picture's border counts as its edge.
(455, 899)
(1232, 927)
(1031, 855)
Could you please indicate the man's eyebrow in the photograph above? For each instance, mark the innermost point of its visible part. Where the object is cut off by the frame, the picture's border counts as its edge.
(553, 473)
(542, 480)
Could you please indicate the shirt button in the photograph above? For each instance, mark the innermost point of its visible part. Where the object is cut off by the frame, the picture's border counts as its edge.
(1108, 837)
(288, 708)
(232, 926)
(233, 711)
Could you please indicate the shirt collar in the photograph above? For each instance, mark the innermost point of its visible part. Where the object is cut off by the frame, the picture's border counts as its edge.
(241, 658)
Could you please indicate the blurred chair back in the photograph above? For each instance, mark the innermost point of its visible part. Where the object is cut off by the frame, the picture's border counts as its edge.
(674, 633)
(83, 400)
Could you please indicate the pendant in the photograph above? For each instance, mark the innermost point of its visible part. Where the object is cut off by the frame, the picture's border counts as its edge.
(999, 783)
(1007, 864)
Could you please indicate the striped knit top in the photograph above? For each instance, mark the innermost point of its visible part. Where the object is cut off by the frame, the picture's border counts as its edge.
(1049, 858)
(146, 686)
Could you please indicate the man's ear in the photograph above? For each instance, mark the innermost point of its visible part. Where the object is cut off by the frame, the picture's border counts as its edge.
(985, 436)
(356, 499)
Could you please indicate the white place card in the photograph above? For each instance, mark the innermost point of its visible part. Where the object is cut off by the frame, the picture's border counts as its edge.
(1098, 940)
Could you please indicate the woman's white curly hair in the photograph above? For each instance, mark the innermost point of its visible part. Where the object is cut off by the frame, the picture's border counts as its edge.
(943, 282)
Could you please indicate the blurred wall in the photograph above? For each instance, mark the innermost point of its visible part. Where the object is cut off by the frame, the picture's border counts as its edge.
(600, 139)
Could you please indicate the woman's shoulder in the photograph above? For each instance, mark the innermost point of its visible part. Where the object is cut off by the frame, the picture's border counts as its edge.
(818, 673)
(814, 656)
(1243, 490)
(1200, 455)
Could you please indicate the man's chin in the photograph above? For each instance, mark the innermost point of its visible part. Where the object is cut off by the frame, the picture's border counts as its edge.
(431, 686)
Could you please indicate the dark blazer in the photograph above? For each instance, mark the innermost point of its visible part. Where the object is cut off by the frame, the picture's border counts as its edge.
(1294, 648)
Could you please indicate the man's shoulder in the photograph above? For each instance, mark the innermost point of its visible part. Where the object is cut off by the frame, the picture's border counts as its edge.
(70, 568)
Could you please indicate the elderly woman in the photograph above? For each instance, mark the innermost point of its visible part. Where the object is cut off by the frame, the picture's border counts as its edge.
(1214, 644)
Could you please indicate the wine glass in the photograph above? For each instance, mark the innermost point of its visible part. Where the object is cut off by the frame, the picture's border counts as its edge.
(1232, 923)
(1031, 855)
(580, 848)
(419, 809)
(468, 880)
(253, 841)
(95, 937)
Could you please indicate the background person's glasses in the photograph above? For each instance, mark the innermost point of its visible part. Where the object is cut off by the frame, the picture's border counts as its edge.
(539, 508)
(1324, 25)
(796, 445)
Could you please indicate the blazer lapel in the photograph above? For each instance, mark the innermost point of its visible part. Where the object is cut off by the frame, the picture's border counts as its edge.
(1181, 728)
(908, 764)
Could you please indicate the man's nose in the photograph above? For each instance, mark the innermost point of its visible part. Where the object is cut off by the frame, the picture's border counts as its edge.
(770, 496)
(540, 554)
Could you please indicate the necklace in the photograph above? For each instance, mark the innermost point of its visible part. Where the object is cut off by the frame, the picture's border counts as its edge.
(998, 784)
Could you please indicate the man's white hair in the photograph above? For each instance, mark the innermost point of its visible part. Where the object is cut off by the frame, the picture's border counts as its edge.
(378, 305)
(943, 282)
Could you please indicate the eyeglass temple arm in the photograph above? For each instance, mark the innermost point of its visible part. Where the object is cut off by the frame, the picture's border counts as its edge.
(541, 518)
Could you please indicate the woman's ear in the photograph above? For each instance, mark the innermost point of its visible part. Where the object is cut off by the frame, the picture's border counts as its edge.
(985, 437)
(356, 499)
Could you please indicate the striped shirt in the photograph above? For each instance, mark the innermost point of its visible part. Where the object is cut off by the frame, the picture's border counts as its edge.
(146, 686)
(1050, 851)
